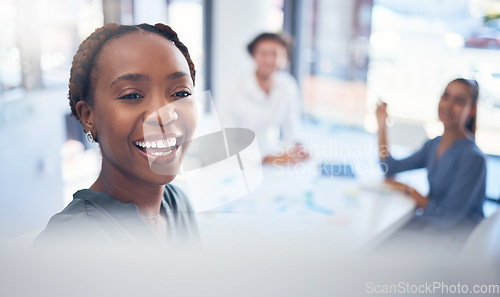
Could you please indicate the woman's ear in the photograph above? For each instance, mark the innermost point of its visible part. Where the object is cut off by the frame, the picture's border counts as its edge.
(86, 115)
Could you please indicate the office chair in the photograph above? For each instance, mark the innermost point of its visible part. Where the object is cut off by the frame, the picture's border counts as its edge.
(483, 245)
(406, 134)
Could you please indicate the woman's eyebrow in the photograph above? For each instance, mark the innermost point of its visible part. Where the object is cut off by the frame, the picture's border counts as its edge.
(132, 77)
(178, 74)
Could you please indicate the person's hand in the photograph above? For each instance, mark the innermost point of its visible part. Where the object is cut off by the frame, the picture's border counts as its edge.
(420, 200)
(295, 155)
(392, 184)
(299, 153)
(381, 113)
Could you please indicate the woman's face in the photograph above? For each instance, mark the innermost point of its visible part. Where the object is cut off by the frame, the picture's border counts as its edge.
(269, 55)
(455, 106)
(144, 112)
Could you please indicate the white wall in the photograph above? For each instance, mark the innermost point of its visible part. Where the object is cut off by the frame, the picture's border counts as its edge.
(151, 11)
(32, 132)
(236, 23)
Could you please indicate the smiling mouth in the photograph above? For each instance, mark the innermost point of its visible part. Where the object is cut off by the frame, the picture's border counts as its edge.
(158, 148)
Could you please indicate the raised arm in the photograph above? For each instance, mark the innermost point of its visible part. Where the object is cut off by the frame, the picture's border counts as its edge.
(383, 146)
(390, 165)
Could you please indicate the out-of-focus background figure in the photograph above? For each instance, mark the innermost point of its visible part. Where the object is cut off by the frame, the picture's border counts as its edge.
(266, 102)
(456, 168)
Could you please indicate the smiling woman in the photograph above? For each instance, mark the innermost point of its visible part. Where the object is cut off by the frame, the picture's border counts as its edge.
(131, 88)
(456, 170)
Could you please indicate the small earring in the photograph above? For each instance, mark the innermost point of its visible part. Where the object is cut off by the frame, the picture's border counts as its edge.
(90, 138)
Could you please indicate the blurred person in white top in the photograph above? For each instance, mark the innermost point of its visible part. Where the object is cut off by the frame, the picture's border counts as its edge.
(266, 102)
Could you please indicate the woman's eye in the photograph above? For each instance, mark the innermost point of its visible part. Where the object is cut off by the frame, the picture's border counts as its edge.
(182, 94)
(131, 96)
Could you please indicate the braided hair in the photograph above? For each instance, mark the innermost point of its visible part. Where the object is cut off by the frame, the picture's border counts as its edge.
(80, 81)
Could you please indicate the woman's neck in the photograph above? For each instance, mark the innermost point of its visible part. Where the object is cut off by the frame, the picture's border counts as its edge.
(451, 134)
(265, 81)
(146, 197)
(449, 137)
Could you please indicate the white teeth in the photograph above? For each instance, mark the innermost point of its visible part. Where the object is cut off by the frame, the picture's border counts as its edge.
(169, 142)
(161, 154)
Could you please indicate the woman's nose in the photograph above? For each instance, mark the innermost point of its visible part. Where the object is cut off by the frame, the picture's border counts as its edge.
(271, 59)
(163, 115)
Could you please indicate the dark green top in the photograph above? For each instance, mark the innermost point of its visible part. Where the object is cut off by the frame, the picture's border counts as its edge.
(98, 219)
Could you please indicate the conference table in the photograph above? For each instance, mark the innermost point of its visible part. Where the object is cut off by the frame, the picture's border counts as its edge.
(298, 207)
(301, 206)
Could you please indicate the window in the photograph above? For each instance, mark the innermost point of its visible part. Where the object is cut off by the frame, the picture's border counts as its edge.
(417, 47)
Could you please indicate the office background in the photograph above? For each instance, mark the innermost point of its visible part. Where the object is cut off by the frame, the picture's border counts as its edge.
(346, 55)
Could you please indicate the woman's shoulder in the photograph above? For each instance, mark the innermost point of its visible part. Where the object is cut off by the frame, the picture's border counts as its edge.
(284, 77)
(470, 149)
(431, 143)
(88, 216)
(434, 140)
(76, 210)
(79, 211)
(464, 148)
(87, 204)
(72, 224)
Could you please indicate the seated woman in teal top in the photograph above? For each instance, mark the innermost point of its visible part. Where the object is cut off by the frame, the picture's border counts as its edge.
(131, 88)
(456, 166)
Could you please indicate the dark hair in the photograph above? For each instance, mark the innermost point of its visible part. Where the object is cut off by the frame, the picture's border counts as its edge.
(80, 84)
(281, 39)
(473, 87)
